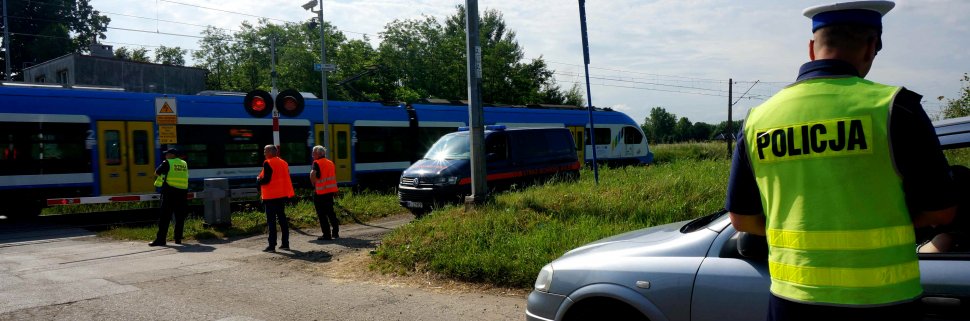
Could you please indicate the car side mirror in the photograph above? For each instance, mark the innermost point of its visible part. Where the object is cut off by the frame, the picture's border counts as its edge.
(752, 246)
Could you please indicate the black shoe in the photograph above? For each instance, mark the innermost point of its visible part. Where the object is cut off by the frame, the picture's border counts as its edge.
(285, 247)
(270, 249)
(336, 235)
(324, 238)
(178, 241)
(156, 243)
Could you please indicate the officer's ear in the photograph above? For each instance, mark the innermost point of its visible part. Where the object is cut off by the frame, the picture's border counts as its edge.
(811, 50)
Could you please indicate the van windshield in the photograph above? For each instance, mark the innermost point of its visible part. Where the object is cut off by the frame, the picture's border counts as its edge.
(452, 146)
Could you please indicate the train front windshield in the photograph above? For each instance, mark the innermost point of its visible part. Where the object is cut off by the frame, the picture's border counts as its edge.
(452, 146)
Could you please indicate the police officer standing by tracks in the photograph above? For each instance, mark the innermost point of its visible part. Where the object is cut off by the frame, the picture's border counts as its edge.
(275, 189)
(836, 171)
(172, 176)
(324, 178)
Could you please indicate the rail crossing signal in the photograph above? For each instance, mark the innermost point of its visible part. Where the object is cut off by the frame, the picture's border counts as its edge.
(259, 103)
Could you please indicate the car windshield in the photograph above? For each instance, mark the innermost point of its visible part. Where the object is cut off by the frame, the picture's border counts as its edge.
(451, 146)
(701, 222)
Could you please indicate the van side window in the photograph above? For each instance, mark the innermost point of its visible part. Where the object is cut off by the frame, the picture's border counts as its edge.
(631, 135)
(497, 144)
(603, 136)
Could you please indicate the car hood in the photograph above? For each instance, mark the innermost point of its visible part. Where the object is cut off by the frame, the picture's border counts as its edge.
(437, 168)
(662, 241)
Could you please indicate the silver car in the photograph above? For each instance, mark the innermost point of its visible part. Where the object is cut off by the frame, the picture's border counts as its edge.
(705, 270)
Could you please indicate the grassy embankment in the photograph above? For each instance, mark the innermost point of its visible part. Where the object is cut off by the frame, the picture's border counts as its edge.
(364, 206)
(506, 242)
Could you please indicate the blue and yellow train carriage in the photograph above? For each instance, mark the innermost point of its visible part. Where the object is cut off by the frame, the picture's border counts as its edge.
(61, 142)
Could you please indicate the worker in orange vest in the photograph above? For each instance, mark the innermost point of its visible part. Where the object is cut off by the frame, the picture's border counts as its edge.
(274, 189)
(324, 180)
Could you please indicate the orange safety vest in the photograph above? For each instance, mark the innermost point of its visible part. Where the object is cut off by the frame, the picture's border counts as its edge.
(279, 185)
(327, 183)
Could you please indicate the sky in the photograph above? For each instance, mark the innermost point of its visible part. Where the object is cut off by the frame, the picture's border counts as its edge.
(675, 54)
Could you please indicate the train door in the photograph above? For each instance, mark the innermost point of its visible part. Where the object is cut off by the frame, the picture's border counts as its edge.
(339, 151)
(579, 137)
(126, 157)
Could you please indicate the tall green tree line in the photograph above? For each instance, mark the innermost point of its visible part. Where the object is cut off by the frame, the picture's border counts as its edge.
(662, 127)
(415, 59)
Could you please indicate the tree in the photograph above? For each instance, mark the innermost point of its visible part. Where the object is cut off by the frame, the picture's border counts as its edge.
(174, 56)
(660, 126)
(428, 57)
(43, 30)
(138, 54)
(701, 131)
(958, 107)
(721, 128)
(683, 130)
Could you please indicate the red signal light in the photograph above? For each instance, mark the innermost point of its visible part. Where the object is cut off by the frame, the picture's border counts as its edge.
(289, 103)
(258, 104)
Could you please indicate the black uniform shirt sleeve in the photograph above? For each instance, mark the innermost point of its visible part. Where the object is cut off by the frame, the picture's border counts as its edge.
(316, 168)
(267, 174)
(918, 157)
(162, 168)
(743, 196)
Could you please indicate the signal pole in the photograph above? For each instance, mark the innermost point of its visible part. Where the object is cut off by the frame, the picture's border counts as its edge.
(273, 93)
(323, 80)
(589, 95)
(476, 121)
(6, 42)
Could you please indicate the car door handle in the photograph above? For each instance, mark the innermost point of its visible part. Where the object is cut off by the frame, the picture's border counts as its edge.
(945, 302)
(142, 174)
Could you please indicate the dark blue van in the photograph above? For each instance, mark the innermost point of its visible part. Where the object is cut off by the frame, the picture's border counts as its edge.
(513, 156)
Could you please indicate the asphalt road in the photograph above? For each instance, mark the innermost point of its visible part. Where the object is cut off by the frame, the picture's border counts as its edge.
(54, 273)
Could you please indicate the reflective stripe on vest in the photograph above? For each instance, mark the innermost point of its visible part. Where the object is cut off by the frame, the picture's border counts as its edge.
(837, 224)
(279, 185)
(327, 183)
(178, 174)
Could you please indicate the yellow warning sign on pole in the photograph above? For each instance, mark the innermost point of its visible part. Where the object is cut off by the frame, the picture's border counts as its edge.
(166, 111)
(167, 134)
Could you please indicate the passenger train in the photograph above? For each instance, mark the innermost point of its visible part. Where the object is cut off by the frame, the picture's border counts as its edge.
(71, 142)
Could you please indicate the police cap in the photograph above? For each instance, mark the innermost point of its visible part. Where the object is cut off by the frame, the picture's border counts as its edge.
(866, 13)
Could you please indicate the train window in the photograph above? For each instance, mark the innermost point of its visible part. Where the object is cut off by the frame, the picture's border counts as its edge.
(383, 144)
(603, 136)
(342, 145)
(139, 144)
(197, 155)
(243, 154)
(112, 147)
(631, 135)
(50, 148)
(294, 153)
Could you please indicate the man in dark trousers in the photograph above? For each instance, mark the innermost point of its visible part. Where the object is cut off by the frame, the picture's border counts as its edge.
(829, 168)
(275, 188)
(324, 180)
(172, 176)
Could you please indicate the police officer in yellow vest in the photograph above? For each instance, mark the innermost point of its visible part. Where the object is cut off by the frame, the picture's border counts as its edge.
(836, 171)
(172, 176)
(324, 178)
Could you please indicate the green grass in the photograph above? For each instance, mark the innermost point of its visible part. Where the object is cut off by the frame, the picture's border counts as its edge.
(958, 156)
(93, 208)
(506, 242)
(362, 206)
(666, 153)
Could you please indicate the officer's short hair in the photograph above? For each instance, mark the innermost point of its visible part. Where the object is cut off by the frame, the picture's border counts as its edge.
(320, 150)
(272, 149)
(848, 36)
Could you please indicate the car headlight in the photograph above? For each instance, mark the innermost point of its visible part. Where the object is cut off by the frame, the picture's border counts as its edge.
(444, 181)
(544, 280)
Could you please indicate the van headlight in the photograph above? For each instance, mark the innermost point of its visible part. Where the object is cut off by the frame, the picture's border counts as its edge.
(544, 280)
(446, 180)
